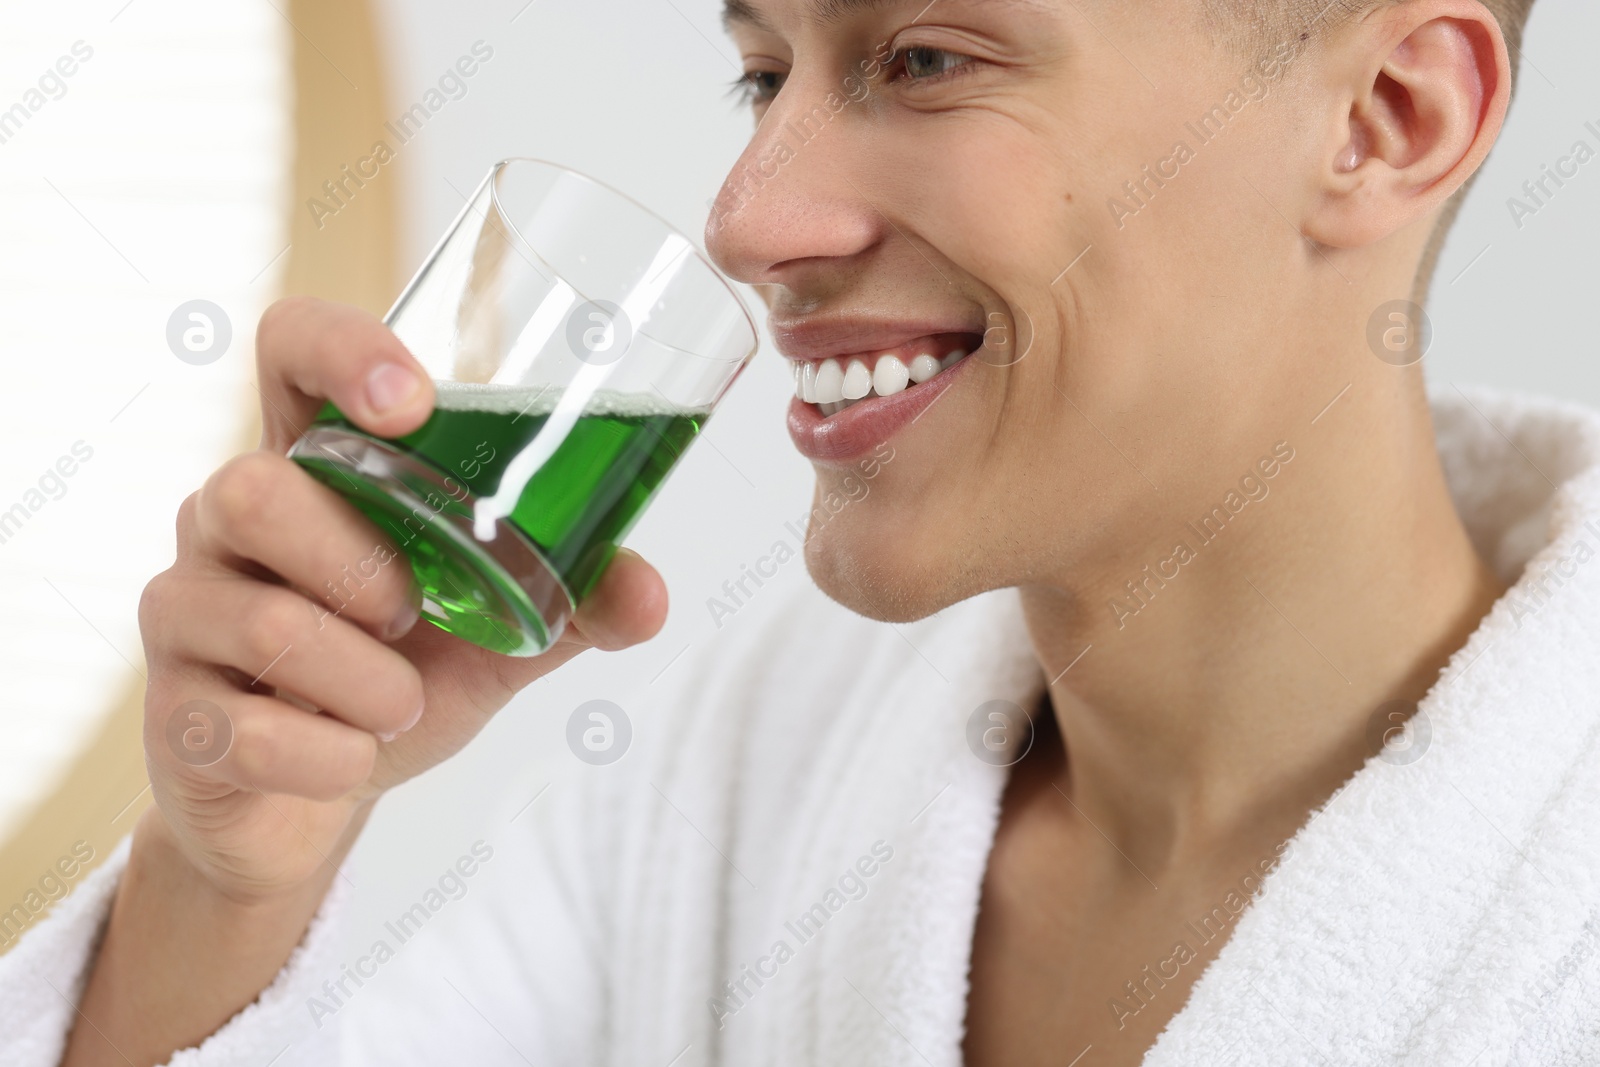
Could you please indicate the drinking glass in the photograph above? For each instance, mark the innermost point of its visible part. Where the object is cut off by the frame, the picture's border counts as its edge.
(577, 344)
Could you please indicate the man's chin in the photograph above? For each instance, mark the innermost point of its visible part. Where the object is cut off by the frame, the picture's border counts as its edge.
(881, 589)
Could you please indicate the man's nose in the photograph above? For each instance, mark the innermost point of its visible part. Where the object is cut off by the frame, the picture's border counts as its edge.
(790, 205)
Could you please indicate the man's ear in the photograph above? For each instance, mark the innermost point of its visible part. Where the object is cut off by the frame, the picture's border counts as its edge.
(1430, 81)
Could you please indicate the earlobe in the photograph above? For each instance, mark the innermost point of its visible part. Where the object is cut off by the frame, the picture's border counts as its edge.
(1427, 101)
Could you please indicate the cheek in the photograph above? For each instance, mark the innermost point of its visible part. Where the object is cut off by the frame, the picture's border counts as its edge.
(1007, 224)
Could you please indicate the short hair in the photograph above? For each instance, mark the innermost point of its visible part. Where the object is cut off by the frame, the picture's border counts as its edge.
(1253, 28)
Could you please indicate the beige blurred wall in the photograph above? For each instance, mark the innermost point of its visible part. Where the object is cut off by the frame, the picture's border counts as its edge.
(339, 110)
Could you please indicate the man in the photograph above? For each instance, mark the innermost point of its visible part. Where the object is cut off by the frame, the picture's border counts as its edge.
(1129, 290)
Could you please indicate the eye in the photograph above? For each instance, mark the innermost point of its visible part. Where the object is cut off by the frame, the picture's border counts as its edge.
(758, 88)
(923, 64)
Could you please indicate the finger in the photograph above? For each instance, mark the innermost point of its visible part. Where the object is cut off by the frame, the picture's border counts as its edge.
(308, 350)
(275, 636)
(218, 734)
(264, 508)
(629, 605)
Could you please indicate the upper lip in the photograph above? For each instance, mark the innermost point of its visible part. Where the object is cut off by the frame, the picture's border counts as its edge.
(818, 337)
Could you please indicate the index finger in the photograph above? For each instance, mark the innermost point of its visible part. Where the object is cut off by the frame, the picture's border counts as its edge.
(309, 351)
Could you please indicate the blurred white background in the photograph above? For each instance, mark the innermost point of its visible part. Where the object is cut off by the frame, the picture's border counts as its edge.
(128, 190)
(117, 205)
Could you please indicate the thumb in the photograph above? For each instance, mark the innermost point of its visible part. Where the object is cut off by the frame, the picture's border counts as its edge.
(311, 351)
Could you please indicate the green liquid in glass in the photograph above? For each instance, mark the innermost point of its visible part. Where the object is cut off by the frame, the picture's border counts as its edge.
(575, 506)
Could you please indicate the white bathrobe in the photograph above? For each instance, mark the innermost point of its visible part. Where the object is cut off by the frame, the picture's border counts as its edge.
(791, 874)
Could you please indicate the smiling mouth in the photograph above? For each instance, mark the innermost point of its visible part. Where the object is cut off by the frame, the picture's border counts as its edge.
(839, 383)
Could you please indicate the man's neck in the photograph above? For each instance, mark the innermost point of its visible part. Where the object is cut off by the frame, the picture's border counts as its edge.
(1232, 692)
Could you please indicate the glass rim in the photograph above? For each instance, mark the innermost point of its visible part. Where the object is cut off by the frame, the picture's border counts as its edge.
(752, 329)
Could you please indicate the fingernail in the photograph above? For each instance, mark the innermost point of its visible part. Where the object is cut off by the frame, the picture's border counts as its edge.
(416, 717)
(390, 385)
(386, 738)
(402, 623)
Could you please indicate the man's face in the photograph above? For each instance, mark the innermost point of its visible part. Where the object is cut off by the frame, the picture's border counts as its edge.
(1029, 182)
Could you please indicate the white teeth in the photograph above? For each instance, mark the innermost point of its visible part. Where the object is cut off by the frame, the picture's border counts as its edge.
(889, 376)
(857, 380)
(830, 382)
(832, 386)
(924, 367)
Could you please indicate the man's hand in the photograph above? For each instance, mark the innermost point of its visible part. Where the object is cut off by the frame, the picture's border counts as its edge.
(237, 622)
(327, 710)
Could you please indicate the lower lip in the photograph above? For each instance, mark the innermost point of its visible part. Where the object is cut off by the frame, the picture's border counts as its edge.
(851, 434)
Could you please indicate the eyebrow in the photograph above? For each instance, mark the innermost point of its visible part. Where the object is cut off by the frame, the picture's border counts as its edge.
(740, 11)
(826, 11)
